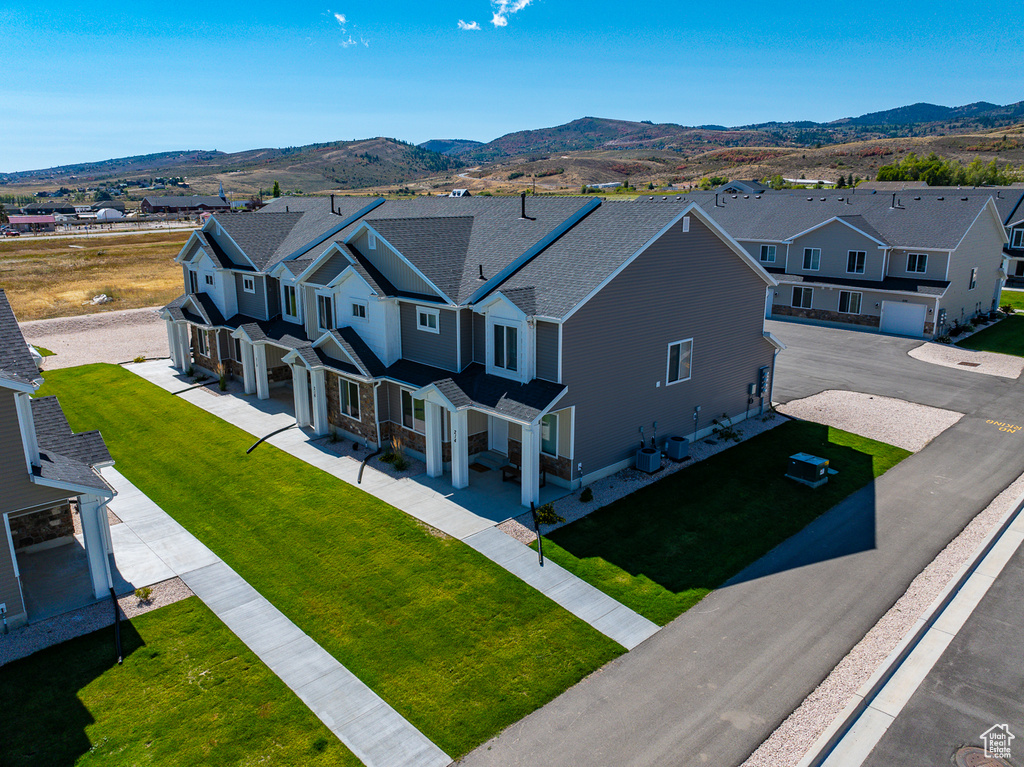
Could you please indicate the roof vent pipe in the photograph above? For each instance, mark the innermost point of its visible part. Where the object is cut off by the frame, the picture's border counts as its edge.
(332, 203)
(522, 215)
(481, 277)
(716, 199)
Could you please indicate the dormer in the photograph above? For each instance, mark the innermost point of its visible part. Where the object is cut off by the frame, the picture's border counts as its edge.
(509, 339)
(396, 268)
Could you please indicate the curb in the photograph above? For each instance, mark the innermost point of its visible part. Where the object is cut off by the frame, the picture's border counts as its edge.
(865, 696)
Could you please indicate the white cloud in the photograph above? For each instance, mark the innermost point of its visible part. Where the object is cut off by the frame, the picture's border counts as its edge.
(343, 22)
(341, 19)
(470, 25)
(505, 8)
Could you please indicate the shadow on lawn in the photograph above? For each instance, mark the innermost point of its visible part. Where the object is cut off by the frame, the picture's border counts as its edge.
(716, 521)
(44, 720)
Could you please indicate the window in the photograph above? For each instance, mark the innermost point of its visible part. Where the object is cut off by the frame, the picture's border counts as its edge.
(802, 298)
(812, 259)
(974, 279)
(291, 302)
(849, 302)
(371, 241)
(506, 347)
(549, 434)
(349, 397)
(679, 357)
(427, 319)
(917, 262)
(855, 261)
(238, 349)
(1017, 238)
(202, 345)
(209, 280)
(325, 312)
(414, 414)
(359, 310)
(686, 224)
(768, 254)
(193, 282)
(249, 284)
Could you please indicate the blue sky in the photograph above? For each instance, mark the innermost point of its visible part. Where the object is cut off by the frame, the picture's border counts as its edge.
(83, 81)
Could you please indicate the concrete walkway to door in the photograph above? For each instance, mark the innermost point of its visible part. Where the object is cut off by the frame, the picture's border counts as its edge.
(368, 726)
(428, 500)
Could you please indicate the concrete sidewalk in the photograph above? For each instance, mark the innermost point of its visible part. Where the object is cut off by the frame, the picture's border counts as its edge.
(433, 503)
(368, 726)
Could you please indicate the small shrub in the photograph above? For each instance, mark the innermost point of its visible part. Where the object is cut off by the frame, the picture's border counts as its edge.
(969, 328)
(332, 438)
(514, 175)
(401, 463)
(143, 594)
(723, 428)
(956, 330)
(222, 376)
(356, 446)
(1008, 309)
(944, 339)
(587, 495)
(190, 373)
(546, 515)
(140, 358)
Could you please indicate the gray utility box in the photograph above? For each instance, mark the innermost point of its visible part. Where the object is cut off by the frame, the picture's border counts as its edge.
(808, 469)
(648, 459)
(677, 448)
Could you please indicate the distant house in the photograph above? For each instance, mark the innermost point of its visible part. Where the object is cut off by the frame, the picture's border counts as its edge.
(115, 204)
(32, 223)
(48, 208)
(460, 193)
(191, 204)
(742, 187)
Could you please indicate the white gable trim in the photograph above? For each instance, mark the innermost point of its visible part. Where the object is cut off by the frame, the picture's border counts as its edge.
(180, 258)
(72, 487)
(881, 245)
(329, 338)
(221, 230)
(365, 226)
(345, 274)
(500, 298)
(989, 206)
(692, 209)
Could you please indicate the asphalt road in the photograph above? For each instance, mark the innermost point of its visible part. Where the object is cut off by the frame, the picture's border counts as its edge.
(976, 683)
(711, 686)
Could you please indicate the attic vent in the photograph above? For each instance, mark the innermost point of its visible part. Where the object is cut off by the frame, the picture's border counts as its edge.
(686, 223)
(734, 197)
(810, 199)
(963, 199)
(823, 199)
(757, 197)
(940, 198)
(917, 198)
(746, 197)
(840, 199)
(651, 199)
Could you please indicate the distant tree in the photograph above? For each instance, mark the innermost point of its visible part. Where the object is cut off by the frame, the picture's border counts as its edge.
(102, 197)
(277, 190)
(3, 214)
(841, 183)
(650, 185)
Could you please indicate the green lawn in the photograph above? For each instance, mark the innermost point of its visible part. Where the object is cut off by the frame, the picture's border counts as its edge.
(189, 693)
(456, 644)
(665, 547)
(1014, 298)
(44, 352)
(1005, 337)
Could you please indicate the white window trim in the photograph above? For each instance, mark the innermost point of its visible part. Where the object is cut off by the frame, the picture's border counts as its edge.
(247, 280)
(334, 311)
(341, 399)
(371, 240)
(1017, 238)
(540, 436)
(918, 257)
(426, 311)
(668, 362)
(770, 250)
(354, 302)
(854, 270)
(208, 279)
(284, 301)
(792, 301)
(860, 301)
(401, 413)
(807, 251)
(202, 343)
(504, 324)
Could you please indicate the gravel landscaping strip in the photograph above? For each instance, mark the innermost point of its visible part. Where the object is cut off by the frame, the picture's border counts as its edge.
(628, 481)
(987, 363)
(28, 639)
(792, 739)
(345, 448)
(105, 337)
(893, 421)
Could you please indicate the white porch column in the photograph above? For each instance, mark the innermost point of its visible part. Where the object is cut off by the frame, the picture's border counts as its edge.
(248, 368)
(262, 384)
(184, 345)
(530, 468)
(93, 512)
(173, 346)
(460, 449)
(300, 389)
(320, 425)
(435, 464)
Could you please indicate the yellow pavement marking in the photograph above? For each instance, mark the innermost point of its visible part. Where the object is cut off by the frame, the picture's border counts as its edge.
(1007, 427)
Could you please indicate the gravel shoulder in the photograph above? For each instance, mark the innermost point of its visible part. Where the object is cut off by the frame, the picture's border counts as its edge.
(987, 363)
(106, 337)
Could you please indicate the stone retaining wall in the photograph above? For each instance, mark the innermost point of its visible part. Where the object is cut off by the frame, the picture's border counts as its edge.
(42, 526)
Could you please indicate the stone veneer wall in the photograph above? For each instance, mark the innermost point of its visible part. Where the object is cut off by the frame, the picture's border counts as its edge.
(366, 426)
(864, 320)
(42, 526)
(557, 467)
(282, 373)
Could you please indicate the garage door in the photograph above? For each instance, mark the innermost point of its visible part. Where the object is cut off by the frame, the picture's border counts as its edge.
(903, 319)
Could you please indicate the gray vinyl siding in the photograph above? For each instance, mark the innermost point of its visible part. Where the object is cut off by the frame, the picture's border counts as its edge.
(17, 491)
(466, 335)
(10, 592)
(479, 339)
(252, 304)
(273, 297)
(870, 302)
(393, 267)
(836, 240)
(614, 362)
(935, 267)
(330, 269)
(981, 247)
(477, 422)
(437, 349)
(275, 356)
(754, 249)
(308, 298)
(547, 351)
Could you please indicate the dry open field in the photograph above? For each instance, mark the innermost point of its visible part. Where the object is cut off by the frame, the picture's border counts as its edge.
(55, 278)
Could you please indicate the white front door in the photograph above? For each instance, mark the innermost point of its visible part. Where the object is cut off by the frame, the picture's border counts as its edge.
(497, 434)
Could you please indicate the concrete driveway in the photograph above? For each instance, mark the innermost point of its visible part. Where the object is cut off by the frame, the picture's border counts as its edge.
(712, 685)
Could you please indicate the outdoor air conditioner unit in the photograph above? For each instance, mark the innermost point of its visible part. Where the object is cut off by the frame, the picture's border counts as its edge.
(808, 469)
(648, 459)
(677, 448)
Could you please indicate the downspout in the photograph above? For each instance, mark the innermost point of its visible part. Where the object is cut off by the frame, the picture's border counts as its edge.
(376, 410)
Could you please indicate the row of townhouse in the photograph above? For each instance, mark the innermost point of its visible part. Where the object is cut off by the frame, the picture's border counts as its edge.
(45, 470)
(910, 263)
(555, 332)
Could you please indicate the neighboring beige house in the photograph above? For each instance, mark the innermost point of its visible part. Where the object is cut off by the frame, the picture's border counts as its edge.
(45, 469)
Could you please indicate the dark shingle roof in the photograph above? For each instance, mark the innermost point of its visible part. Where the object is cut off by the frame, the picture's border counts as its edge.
(58, 468)
(199, 311)
(438, 247)
(54, 433)
(16, 362)
(278, 331)
(192, 201)
(356, 348)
